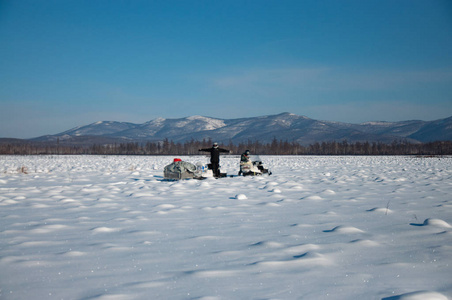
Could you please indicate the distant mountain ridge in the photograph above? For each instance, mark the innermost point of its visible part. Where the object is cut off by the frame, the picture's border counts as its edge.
(284, 126)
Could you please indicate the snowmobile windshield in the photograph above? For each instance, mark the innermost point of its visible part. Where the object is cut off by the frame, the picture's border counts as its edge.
(255, 158)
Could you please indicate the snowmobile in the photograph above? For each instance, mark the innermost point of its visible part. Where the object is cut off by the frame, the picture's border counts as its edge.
(253, 168)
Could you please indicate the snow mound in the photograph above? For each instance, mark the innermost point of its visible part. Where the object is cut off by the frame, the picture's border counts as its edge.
(74, 253)
(302, 248)
(313, 198)
(345, 229)
(268, 244)
(329, 192)
(308, 259)
(366, 243)
(434, 223)
(165, 206)
(381, 210)
(104, 230)
(421, 295)
(437, 223)
(216, 273)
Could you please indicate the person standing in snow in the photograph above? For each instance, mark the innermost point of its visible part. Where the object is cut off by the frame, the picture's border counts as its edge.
(215, 157)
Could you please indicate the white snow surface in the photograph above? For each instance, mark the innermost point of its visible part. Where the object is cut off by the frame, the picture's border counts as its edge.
(95, 227)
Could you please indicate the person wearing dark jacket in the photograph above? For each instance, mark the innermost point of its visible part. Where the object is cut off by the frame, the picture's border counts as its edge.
(215, 158)
(245, 162)
(245, 157)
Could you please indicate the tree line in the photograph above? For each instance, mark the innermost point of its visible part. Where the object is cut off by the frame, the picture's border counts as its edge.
(276, 147)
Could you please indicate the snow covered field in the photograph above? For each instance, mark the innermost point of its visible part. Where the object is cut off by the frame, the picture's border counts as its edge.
(93, 227)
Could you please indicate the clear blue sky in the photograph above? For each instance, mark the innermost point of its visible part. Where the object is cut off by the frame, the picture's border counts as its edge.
(65, 63)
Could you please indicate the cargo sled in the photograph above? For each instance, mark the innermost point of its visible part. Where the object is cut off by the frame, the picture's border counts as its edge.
(254, 168)
(179, 170)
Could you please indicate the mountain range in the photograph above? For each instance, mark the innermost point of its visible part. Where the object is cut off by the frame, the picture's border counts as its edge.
(284, 126)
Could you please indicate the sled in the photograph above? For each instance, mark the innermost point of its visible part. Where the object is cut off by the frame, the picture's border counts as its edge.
(180, 170)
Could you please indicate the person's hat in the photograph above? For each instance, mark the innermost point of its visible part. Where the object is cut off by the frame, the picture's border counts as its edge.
(177, 159)
(247, 152)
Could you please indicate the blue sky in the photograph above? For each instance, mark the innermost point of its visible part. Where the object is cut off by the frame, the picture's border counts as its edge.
(74, 62)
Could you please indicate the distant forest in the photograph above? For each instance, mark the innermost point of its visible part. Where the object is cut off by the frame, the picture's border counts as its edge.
(276, 147)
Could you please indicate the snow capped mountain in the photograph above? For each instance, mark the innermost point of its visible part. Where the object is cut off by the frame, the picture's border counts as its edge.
(284, 126)
(99, 128)
(175, 129)
(210, 123)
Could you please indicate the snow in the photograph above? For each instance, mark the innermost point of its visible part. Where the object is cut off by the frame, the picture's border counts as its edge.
(378, 123)
(95, 227)
(157, 122)
(209, 123)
